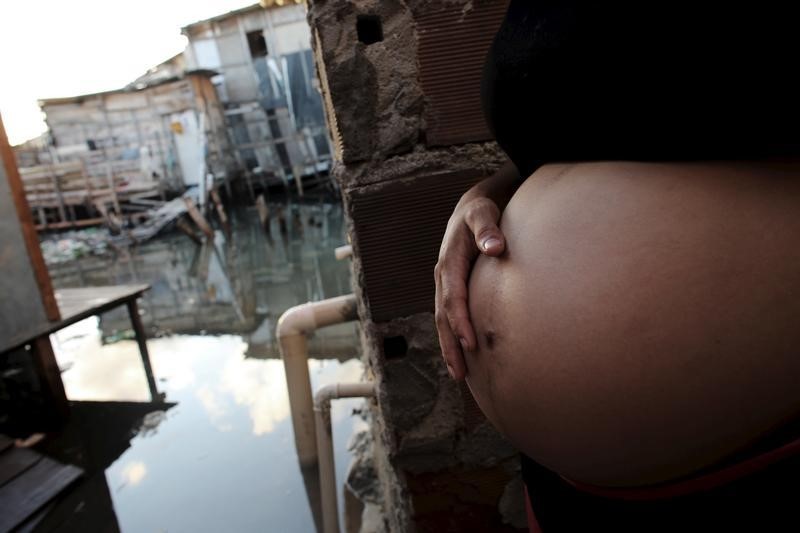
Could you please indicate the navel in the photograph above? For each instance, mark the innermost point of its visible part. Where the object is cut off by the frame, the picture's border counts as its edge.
(490, 337)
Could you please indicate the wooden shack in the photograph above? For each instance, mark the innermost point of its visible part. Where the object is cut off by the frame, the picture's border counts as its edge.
(122, 150)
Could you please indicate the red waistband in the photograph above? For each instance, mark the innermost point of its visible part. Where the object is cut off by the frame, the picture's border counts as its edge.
(703, 482)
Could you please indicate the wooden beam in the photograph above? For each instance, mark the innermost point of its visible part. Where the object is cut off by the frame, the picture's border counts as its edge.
(223, 218)
(185, 227)
(72, 224)
(28, 227)
(198, 218)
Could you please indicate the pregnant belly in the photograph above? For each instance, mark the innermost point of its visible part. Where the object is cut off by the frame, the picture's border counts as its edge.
(645, 320)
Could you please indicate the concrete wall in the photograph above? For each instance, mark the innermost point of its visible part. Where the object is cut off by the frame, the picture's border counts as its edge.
(400, 83)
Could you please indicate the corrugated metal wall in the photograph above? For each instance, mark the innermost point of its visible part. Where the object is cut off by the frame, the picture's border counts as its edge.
(273, 109)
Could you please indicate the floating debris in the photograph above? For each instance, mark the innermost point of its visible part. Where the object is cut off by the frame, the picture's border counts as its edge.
(73, 244)
(67, 246)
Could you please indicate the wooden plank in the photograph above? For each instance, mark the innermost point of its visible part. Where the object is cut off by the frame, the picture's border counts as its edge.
(28, 227)
(77, 304)
(45, 171)
(25, 495)
(16, 461)
(30, 523)
(72, 224)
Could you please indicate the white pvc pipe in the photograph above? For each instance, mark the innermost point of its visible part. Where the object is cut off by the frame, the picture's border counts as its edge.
(343, 252)
(327, 470)
(293, 326)
(308, 317)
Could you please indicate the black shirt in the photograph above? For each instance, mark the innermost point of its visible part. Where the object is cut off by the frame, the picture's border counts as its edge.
(577, 81)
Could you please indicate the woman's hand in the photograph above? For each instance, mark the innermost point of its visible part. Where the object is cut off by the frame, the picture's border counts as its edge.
(472, 229)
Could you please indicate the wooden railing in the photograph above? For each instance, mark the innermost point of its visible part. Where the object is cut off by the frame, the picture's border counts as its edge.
(68, 194)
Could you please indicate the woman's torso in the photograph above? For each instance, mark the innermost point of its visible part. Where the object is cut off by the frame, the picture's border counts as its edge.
(645, 321)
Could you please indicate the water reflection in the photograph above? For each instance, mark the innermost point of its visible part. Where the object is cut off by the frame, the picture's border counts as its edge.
(133, 473)
(220, 456)
(241, 285)
(223, 458)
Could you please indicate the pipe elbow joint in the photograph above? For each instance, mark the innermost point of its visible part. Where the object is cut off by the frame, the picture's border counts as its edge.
(297, 320)
(323, 397)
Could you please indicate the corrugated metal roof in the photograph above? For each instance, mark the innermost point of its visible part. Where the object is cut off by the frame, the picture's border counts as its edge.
(262, 4)
(128, 89)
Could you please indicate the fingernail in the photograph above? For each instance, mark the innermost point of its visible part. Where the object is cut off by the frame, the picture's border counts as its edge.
(490, 242)
(464, 345)
(450, 371)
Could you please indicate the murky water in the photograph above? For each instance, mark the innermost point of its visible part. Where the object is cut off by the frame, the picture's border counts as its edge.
(240, 285)
(219, 454)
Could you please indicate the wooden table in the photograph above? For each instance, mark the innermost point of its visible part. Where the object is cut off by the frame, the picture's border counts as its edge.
(75, 305)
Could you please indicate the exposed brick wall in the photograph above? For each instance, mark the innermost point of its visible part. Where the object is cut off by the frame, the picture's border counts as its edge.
(399, 190)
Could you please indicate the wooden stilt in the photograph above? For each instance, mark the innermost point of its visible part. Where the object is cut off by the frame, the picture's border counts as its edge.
(57, 187)
(263, 212)
(223, 218)
(298, 180)
(198, 218)
(248, 179)
(185, 227)
(141, 340)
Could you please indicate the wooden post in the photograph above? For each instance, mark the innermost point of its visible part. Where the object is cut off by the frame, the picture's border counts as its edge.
(223, 218)
(49, 375)
(263, 212)
(57, 187)
(198, 218)
(28, 227)
(111, 184)
(141, 340)
(110, 167)
(249, 182)
(188, 230)
(114, 223)
(298, 179)
(88, 184)
(42, 217)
